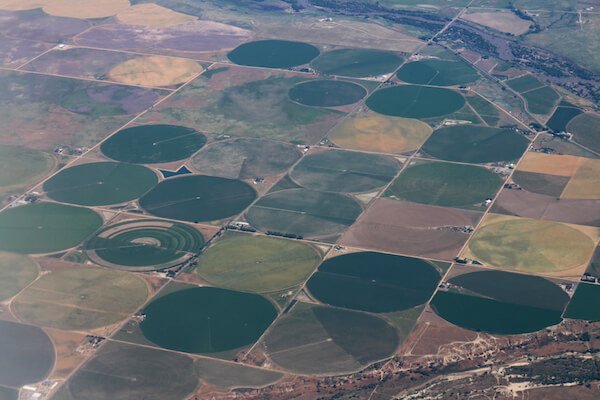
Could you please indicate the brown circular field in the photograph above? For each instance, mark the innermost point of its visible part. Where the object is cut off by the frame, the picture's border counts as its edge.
(84, 9)
(155, 71)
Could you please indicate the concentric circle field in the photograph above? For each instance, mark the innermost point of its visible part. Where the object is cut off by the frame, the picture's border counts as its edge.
(501, 302)
(475, 144)
(304, 212)
(374, 282)
(101, 183)
(357, 63)
(327, 93)
(344, 171)
(446, 184)
(144, 245)
(437, 73)
(45, 227)
(16, 272)
(410, 101)
(207, 319)
(153, 144)
(198, 198)
(256, 263)
(27, 354)
(273, 54)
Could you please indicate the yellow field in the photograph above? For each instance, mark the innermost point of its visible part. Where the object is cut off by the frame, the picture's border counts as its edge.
(153, 16)
(19, 5)
(155, 71)
(552, 164)
(368, 131)
(585, 183)
(503, 21)
(85, 8)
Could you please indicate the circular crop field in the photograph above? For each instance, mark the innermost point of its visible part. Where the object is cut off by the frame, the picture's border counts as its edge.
(45, 227)
(327, 93)
(531, 245)
(501, 302)
(344, 171)
(374, 282)
(80, 298)
(245, 158)
(446, 184)
(475, 144)
(20, 167)
(16, 272)
(153, 144)
(101, 183)
(257, 263)
(27, 354)
(586, 129)
(357, 63)
(273, 54)
(411, 101)
(304, 212)
(207, 320)
(437, 73)
(198, 198)
(144, 245)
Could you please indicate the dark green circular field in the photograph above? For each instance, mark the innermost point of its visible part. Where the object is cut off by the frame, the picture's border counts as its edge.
(101, 183)
(437, 73)
(374, 282)
(273, 54)
(357, 63)
(475, 144)
(27, 354)
(344, 171)
(144, 244)
(153, 144)
(445, 184)
(198, 198)
(304, 212)
(327, 93)
(411, 101)
(501, 302)
(45, 227)
(207, 320)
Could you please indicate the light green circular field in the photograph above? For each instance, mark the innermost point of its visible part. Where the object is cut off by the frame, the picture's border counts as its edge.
(16, 272)
(257, 263)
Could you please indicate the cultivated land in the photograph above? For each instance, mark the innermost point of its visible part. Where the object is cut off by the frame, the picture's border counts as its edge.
(327, 93)
(155, 71)
(230, 376)
(16, 272)
(582, 304)
(356, 63)
(540, 98)
(273, 54)
(438, 72)
(586, 130)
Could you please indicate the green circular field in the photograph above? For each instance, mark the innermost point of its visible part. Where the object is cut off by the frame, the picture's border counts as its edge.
(144, 245)
(304, 212)
(20, 167)
(529, 245)
(101, 183)
(273, 54)
(358, 63)
(501, 302)
(446, 184)
(411, 101)
(437, 73)
(198, 198)
(245, 158)
(45, 227)
(153, 144)
(207, 320)
(16, 272)
(257, 263)
(327, 93)
(374, 282)
(27, 354)
(475, 144)
(344, 171)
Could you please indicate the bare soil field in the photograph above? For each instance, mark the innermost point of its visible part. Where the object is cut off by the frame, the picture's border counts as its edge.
(85, 9)
(39, 26)
(552, 164)
(21, 5)
(67, 357)
(503, 21)
(153, 16)
(411, 229)
(155, 71)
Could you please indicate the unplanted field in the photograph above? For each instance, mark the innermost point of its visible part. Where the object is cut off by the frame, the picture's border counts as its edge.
(533, 246)
(374, 282)
(85, 9)
(584, 304)
(368, 131)
(411, 229)
(16, 272)
(315, 339)
(21, 167)
(80, 298)
(228, 375)
(143, 245)
(45, 227)
(500, 20)
(257, 263)
(273, 54)
(438, 72)
(153, 16)
(155, 71)
(327, 93)
(356, 63)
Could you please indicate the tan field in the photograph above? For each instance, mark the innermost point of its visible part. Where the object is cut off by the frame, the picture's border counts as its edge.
(153, 16)
(585, 183)
(85, 8)
(379, 133)
(553, 164)
(503, 21)
(155, 71)
(19, 5)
